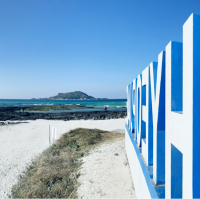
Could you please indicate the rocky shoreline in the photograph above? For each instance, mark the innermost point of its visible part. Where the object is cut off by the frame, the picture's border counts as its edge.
(10, 113)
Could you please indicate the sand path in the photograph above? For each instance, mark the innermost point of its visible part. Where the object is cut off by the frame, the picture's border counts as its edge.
(105, 173)
(20, 143)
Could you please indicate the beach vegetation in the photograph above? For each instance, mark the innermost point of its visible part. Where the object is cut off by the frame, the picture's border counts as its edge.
(54, 173)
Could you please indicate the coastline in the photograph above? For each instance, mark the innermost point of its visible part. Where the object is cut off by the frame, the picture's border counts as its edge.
(24, 135)
(21, 141)
(15, 113)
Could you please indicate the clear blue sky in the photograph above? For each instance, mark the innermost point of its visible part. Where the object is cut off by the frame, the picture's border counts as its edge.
(94, 46)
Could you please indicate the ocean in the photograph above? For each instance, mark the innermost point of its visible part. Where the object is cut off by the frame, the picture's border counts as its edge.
(89, 105)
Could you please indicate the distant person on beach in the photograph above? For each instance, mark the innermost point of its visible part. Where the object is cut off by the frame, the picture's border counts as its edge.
(105, 108)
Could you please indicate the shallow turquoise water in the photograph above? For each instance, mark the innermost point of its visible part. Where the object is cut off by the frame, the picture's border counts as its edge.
(96, 104)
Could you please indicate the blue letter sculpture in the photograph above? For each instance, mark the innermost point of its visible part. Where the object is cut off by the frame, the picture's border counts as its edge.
(163, 115)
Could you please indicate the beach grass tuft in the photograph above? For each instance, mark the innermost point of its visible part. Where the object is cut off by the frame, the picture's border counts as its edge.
(54, 173)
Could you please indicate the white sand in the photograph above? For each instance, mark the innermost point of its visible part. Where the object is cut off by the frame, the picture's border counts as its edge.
(105, 173)
(20, 143)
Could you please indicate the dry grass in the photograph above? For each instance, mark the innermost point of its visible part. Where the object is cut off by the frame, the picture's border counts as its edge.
(54, 173)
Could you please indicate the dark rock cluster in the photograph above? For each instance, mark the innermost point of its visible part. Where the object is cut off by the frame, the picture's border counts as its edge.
(11, 113)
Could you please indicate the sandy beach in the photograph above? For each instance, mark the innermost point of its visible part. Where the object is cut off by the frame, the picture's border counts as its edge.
(21, 142)
(105, 173)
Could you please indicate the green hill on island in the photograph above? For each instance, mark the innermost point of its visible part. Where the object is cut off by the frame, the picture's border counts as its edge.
(76, 95)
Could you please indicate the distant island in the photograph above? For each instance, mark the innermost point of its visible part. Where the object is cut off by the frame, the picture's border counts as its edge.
(76, 95)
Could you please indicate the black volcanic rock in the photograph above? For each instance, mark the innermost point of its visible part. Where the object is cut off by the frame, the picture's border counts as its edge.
(10, 113)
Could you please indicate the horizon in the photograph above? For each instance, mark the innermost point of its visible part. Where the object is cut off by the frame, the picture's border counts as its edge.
(59, 99)
(66, 99)
(98, 47)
